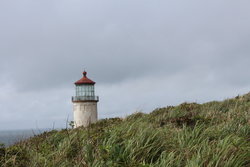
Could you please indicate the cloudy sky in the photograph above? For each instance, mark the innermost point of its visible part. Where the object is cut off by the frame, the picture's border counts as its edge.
(143, 54)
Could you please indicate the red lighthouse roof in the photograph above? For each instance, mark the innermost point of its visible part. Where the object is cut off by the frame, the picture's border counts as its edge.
(84, 80)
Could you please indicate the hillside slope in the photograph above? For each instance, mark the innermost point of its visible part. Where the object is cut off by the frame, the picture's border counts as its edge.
(210, 134)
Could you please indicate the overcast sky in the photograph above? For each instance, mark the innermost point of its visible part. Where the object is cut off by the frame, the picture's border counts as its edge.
(143, 54)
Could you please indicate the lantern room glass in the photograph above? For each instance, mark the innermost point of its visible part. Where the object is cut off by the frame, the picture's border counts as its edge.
(85, 90)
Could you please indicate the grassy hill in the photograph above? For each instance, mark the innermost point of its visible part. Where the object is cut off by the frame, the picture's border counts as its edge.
(211, 134)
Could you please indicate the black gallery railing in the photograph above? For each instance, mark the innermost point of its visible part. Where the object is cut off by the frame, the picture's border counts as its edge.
(82, 98)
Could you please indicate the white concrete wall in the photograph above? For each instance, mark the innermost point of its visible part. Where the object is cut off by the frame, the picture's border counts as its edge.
(85, 113)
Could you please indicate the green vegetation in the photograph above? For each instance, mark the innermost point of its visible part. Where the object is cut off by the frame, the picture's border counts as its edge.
(211, 134)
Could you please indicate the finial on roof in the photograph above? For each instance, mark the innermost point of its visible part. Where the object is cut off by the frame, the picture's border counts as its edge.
(84, 73)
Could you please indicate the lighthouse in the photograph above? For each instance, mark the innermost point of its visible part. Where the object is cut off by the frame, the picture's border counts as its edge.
(84, 102)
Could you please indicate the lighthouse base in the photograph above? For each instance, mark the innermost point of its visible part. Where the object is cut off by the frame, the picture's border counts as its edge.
(85, 113)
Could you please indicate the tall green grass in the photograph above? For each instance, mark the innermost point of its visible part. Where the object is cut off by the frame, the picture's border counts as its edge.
(214, 134)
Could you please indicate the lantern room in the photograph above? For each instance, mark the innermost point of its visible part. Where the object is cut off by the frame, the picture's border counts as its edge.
(85, 89)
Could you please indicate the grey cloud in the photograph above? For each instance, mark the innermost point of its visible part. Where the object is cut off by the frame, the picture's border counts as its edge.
(197, 45)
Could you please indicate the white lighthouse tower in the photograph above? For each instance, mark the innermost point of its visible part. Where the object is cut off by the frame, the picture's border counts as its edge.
(85, 102)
